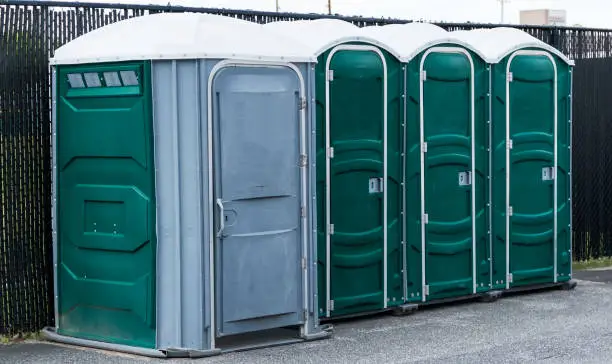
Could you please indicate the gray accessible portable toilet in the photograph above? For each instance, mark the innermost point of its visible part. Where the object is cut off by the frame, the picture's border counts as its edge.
(182, 187)
(531, 88)
(359, 87)
(445, 200)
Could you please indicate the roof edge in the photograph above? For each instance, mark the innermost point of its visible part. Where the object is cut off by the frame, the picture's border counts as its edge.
(543, 46)
(194, 56)
(445, 40)
(357, 38)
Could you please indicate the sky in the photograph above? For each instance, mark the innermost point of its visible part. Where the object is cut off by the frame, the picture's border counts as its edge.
(587, 13)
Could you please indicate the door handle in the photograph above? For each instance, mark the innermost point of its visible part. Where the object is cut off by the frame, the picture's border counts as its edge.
(376, 185)
(221, 217)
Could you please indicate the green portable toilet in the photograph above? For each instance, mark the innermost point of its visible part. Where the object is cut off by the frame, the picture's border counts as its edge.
(531, 86)
(446, 163)
(359, 108)
(183, 197)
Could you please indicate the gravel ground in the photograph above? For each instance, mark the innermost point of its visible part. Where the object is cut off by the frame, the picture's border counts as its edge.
(548, 327)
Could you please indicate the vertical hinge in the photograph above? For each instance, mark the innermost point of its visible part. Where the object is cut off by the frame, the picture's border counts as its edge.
(509, 77)
(302, 103)
(304, 263)
(330, 75)
(424, 147)
(330, 152)
(509, 144)
(509, 278)
(510, 211)
(303, 211)
(423, 75)
(304, 315)
(331, 305)
(330, 229)
(303, 160)
(426, 218)
(426, 290)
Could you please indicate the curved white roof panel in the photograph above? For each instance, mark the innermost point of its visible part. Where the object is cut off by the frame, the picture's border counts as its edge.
(181, 36)
(410, 39)
(321, 35)
(497, 43)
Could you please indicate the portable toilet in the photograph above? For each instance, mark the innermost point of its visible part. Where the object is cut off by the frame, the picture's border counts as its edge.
(447, 246)
(359, 108)
(531, 85)
(182, 189)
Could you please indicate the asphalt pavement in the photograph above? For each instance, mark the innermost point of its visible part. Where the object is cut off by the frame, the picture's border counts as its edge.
(545, 327)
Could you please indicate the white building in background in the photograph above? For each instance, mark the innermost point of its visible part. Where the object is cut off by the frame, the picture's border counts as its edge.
(543, 17)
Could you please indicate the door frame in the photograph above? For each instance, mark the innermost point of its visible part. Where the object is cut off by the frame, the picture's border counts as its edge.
(377, 51)
(304, 186)
(509, 148)
(422, 79)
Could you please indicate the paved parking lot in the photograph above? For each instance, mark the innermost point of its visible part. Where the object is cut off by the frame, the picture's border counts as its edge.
(548, 327)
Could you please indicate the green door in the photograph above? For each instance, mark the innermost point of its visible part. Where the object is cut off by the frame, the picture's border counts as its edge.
(452, 182)
(106, 204)
(355, 208)
(532, 212)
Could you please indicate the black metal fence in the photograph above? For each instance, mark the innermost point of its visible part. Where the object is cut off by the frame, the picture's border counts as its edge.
(31, 30)
(592, 159)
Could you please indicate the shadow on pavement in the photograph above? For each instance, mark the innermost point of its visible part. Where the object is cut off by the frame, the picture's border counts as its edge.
(603, 276)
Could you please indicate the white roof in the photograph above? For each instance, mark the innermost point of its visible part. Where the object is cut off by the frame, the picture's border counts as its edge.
(410, 39)
(497, 43)
(180, 36)
(321, 35)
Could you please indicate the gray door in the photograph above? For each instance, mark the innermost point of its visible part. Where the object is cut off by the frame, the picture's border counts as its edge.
(257, 198)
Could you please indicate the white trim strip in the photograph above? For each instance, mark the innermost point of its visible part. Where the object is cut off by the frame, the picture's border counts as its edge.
(305, 329)
(555, 152)
(347, 47)
(571, 176)
(404, 159)
(177, 201)
(467, 54)
(490, 174)
(54, 194)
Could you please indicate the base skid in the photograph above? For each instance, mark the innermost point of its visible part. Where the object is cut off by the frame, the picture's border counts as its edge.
(569, 285)
(326, 331)
(404, 310)
(190, 354)
(566, 286)
(50, 334)
(272, 338)
(485, 297)
(490, 296)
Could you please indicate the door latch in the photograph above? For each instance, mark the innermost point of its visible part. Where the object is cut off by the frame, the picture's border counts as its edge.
(376, 185)
(548, 173)
(465, 178)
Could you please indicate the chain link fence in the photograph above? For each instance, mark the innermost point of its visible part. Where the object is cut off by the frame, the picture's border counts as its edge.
(31, 30)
